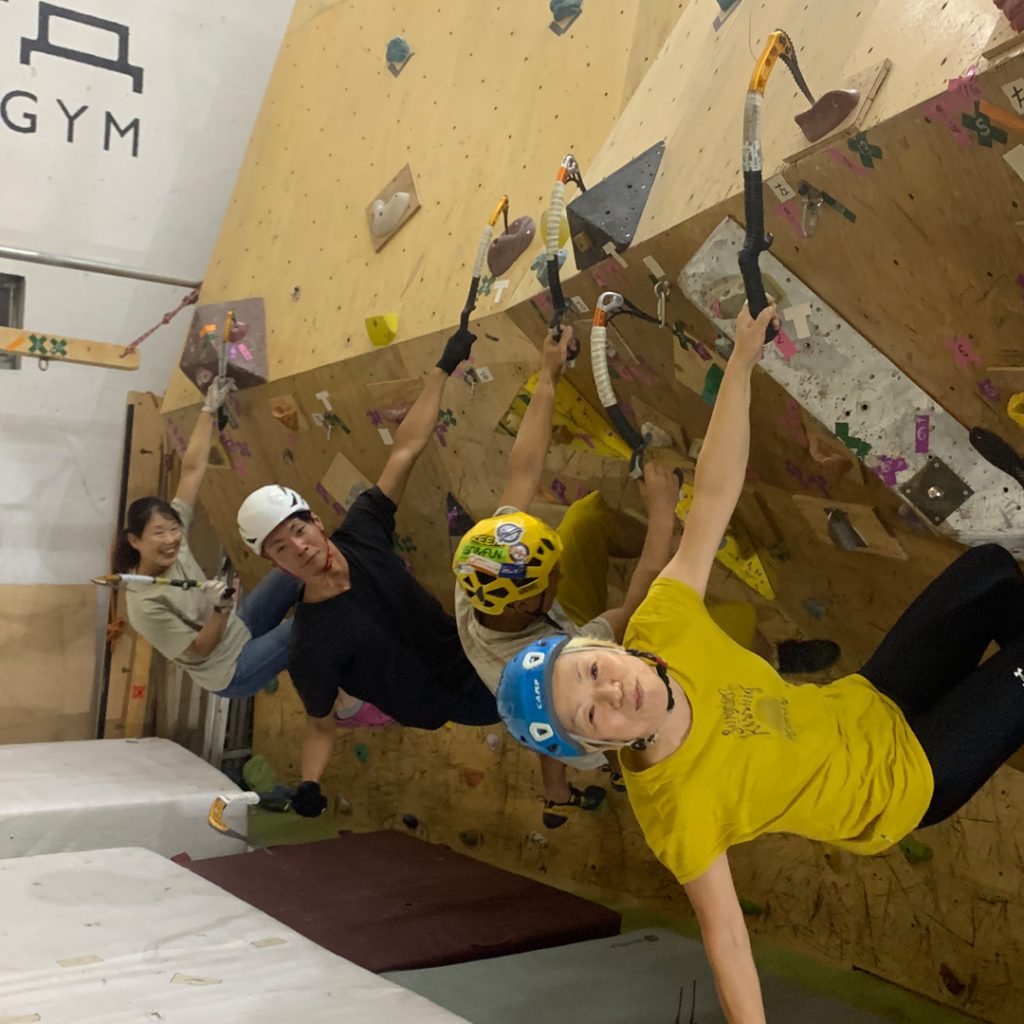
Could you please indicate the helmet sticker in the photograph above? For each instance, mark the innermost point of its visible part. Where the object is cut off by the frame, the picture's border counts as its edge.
(533, 659)
(479, 561)
(508, 533)
(519, 553)
(513, 572)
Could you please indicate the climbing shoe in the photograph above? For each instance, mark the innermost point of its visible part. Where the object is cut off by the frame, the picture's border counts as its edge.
(589, 799)
(797, 657)
(615, 779)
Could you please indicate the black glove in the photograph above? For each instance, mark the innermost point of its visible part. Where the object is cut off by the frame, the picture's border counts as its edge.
(456, 350)
(309, 801)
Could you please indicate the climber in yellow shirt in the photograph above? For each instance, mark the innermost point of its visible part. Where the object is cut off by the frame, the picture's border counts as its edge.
(718, 749)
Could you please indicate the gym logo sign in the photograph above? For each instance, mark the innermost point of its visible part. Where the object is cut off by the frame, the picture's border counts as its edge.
(98, 43)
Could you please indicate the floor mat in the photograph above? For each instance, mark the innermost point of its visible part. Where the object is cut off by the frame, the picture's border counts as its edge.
(646, 977)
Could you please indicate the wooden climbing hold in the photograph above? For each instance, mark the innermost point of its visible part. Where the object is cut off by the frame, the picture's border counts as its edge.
(473, 776)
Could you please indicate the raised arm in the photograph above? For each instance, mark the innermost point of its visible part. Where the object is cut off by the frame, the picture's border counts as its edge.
(197, 455)
(722, 465)
(415, 430)
(526, 461)
(661, 493)
(727, 943)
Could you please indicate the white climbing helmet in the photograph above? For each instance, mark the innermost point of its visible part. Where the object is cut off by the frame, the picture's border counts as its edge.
(266, 509)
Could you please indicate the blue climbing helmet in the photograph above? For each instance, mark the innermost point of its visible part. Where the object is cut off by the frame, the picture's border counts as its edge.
(524, 699)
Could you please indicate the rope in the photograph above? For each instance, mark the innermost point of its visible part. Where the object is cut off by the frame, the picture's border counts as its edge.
(190, 300)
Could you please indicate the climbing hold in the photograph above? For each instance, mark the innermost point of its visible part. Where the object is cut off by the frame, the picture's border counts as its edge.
(953, 984)
(915, 852)
(342, 806)
(473, 777)
(410, 821)
(561, 9)
(814, 607)
(471, 837)
(386, 215)
(272, 686)
(750, 908)
(362, 752)
(247, 363)
(538, 839)
(382, 329)
(1015, 408)
(399, 51)
(237, 332)
(712, 382)
(493, 741)
(510, 245)
(608, 213)
(540, 265)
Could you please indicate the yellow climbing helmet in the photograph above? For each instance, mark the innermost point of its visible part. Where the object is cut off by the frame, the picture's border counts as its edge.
(504, 559)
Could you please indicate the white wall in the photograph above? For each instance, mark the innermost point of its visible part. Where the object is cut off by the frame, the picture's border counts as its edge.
(205, 67)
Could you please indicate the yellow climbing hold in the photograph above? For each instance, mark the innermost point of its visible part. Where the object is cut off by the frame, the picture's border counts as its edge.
(575, 422)
(736, 552)
(1015, 408)
(382, 329)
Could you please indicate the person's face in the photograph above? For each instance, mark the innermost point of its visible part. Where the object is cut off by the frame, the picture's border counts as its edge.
(540, 604)
(298, 547)
(159, 543)
(606, 694)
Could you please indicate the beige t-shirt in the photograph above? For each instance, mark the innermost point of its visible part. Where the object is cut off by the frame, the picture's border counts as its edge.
(170, 617)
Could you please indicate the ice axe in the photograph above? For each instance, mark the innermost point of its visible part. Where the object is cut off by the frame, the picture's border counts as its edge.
(823, 116)
(215, 818)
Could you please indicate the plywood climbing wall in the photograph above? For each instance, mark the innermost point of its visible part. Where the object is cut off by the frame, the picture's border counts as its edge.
(915, 249)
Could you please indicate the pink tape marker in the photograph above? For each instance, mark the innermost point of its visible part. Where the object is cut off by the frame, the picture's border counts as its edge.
(792, 211)
(784, 344)
(989, 390)
(888, 467)
(922, 434)
(244, 352)
(963, 351)
(844, 161)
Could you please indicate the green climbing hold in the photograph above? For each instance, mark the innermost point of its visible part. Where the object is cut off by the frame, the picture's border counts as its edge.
(258, 774)
(362, 752)
(398, 50)
(915, 852)
(471, 837)
(712, 382)
(750, 908)
(561, 9)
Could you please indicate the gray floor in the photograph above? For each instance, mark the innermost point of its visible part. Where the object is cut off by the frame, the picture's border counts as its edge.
(634, 978)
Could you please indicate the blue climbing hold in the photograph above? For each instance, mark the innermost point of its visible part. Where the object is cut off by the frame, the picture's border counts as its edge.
(398, 50)
(362, 752)
(410, 821)
(540, 265)
(565, 8)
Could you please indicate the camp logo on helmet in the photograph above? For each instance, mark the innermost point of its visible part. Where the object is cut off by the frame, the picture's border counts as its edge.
(508, 533)
(537, 695)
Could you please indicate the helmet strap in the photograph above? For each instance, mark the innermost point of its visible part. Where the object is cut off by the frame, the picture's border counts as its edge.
(661, 667)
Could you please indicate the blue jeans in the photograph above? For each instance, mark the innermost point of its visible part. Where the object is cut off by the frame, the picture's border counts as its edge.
(266, 652)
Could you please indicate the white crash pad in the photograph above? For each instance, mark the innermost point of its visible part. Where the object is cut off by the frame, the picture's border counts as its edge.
(112, 936)
(95, 794)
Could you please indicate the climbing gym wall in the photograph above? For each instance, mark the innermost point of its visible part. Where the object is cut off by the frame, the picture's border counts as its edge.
(386, 138)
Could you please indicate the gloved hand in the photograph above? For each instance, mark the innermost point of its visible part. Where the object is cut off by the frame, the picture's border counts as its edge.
(308, 800)
(221, 593)
(456, 350)
(217, 394)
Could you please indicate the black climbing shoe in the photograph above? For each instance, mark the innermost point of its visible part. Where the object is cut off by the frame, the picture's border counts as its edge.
(797, 657)
(589, 799)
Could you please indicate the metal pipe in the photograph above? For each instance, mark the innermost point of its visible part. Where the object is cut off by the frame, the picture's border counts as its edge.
(91, 267)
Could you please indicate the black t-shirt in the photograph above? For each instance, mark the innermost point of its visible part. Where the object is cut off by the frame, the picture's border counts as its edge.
(385, 640)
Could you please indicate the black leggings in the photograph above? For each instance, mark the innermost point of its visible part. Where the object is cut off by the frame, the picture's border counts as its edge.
(967, 715)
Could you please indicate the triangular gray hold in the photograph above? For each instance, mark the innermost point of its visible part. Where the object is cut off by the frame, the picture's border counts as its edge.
(611, 210)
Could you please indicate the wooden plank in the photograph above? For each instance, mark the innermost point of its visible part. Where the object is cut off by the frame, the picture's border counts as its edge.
(145, 470)
(37, 345)
(138, 688)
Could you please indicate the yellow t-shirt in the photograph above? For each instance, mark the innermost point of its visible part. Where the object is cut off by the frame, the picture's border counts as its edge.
(836, 763)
